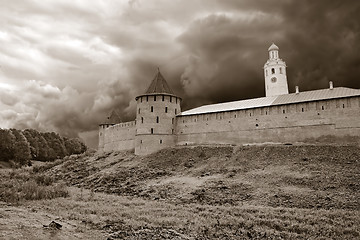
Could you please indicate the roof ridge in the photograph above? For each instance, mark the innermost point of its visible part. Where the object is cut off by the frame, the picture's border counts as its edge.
(312, 95)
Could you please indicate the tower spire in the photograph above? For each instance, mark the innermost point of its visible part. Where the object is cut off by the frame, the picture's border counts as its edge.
(275, 73)
(159, 84)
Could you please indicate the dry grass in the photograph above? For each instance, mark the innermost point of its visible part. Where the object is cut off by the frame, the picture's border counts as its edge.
(258, 192)
(22, 184)
(200, 221)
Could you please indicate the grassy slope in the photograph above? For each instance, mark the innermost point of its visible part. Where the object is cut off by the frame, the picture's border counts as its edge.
(288, 191)
(257, 192)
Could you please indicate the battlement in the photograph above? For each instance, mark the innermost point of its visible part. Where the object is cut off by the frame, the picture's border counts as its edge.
(278, 117)
(123, 125)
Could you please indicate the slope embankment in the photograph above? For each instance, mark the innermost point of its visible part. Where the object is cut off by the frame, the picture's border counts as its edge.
(202, 192)
(310, 176)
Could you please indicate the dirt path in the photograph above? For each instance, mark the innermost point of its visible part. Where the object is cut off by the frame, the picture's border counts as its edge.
(23, 222)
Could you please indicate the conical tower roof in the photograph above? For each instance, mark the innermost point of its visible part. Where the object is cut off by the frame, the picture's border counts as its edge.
(159, 85)
(113, 118)
(273, 47)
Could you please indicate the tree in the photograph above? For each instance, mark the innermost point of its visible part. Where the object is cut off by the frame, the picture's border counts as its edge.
(74, 146)
(21, 152)
(56, 145)
(31, 136)
(7, 141)
(38, 145)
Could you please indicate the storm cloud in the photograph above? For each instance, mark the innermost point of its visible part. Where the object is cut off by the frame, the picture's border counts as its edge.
(66, 64)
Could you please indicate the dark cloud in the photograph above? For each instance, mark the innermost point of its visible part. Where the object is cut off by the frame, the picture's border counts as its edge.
(66, 65)
(318, 40)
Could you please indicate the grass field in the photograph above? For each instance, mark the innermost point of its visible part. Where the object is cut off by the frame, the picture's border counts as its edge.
(218, 192)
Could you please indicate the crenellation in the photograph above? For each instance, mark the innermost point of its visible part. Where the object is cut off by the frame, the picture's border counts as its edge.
(280, 117)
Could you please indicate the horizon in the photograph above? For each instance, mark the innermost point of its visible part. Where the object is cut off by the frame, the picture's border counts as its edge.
(66, 64)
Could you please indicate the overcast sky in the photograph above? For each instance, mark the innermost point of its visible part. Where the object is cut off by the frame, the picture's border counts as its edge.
(65, 64)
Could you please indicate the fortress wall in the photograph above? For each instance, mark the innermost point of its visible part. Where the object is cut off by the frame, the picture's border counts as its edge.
(120, 137)
(146, 144)
(285, 123)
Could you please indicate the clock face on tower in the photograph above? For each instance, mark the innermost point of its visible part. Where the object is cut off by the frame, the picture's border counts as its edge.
(273, 79)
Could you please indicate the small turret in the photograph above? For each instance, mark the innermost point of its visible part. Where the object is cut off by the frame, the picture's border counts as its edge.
(155, 117)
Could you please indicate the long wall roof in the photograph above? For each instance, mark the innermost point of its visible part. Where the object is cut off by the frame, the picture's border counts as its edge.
(306, 96)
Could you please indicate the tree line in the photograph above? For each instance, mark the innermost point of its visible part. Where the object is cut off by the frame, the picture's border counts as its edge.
(21, 146)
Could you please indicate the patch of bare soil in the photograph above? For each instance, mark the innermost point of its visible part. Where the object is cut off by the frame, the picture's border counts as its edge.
(205, 192)
(321, 177)
(27, 222)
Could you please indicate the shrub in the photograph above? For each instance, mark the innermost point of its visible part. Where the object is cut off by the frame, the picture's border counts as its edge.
(19, 185)
(32, 191)
(43, 180)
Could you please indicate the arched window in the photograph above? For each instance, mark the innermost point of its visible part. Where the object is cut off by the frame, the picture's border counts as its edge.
(175, 111)
(154, 98)
(273, 71)
(157, 119)
(163, 98)
(140, 99)
(147, 98)
(166, 109)
(152, 131)
(139, 110)
(160, 141)
(152, 109)
(280, 70)
(170, 99)
(172, 120)
(142, 120)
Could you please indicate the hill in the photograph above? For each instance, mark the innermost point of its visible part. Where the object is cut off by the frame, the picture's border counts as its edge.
(289, 176)
(214, 192)
(292, 177)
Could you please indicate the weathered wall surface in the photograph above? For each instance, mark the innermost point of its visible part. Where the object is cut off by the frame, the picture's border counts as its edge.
(155, 122)
(279, 124)
(286, 123)
(119, 137)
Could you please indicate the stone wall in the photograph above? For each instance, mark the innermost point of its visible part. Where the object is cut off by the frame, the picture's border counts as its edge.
(156, 122)
(278, 124)
(120, 137)
(285, 123)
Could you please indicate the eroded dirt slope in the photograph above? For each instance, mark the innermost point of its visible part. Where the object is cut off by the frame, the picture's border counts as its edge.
(324, 177)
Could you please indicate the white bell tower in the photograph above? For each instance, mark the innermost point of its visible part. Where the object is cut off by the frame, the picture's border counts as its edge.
(275, 74)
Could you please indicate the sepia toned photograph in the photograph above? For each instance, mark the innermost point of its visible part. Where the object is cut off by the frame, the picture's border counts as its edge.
(179, 119)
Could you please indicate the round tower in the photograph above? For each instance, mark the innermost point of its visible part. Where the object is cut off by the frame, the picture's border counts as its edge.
(155, 117)
(275, 74)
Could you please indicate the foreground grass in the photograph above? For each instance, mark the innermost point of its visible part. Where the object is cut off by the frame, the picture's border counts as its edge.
(265, 192)
(18, 185)
(130, 217)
